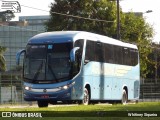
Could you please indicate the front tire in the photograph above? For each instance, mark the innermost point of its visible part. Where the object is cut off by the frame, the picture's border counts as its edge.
(42, 104)
(124, 97)
(86, 97)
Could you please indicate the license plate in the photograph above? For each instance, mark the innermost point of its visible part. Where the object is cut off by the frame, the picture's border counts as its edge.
(45, 96)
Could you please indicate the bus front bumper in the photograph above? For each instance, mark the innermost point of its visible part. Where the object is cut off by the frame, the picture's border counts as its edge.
(49, 96)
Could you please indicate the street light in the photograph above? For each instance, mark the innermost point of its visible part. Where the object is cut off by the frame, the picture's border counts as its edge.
(148, 11)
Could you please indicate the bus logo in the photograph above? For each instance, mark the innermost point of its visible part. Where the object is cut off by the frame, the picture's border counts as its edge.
(44, 90)
(6, 114)
(13, 6)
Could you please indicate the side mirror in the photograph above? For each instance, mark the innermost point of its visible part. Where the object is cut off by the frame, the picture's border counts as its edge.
(73, 53)
(18, 55)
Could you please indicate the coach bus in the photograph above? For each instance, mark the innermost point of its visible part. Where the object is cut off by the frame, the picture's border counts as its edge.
(79, 66)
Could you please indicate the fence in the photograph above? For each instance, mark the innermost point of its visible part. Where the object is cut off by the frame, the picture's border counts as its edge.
(150, 90)
(11, 91)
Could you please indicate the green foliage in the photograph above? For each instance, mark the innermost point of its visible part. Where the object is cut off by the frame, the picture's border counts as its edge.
(2, 59)
(154, 58)
(141, 106)
(102, 10)
(133, 27)
(96, 109)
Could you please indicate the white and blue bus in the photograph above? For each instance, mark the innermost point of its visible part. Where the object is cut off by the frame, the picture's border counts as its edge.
(79, 66)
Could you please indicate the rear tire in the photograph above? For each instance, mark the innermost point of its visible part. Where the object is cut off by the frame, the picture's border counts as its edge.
(124, 97)
(42, 104)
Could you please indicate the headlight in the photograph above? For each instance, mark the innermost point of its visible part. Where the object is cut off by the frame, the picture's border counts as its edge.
(65, 87)
(27, 88)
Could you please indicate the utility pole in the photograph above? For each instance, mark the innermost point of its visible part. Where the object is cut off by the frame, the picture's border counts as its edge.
(118, 21)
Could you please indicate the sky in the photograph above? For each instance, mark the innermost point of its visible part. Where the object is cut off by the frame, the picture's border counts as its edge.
(152, 18)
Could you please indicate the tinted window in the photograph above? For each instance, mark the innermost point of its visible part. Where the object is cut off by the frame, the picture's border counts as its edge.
(90, 51)
(99, 52)
(79, 43)
(118, 56)
(134, 57)
(102, 52)
(77, 64)
(126, 56)
(32, 51)
(48, 62)
(108, 53)
(94, 51)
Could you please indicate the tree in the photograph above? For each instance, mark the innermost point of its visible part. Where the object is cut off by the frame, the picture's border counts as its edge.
(102, 10)
(6, 15)
(154, 56)
(134, 29)
(2, 59)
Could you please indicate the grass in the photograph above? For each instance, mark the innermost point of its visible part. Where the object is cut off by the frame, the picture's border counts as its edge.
(97, 112)
(142, 106)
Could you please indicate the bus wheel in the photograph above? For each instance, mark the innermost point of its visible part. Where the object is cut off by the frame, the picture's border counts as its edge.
(42, 103)
(85, 97)
(124, 97)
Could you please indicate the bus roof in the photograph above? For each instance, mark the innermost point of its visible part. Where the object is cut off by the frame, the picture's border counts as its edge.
(54, 37)
(68, 36)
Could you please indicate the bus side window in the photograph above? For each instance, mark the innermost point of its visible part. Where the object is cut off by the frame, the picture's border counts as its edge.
(90, 51)
(126, 56)
(99, 52)
(77, 64)
(79, 43)
(108, 53)
(118, 56)
(134, 57)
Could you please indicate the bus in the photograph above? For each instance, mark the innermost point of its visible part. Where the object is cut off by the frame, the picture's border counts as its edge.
(79, 66)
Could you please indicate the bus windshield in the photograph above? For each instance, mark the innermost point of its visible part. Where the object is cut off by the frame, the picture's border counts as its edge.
(47, 63)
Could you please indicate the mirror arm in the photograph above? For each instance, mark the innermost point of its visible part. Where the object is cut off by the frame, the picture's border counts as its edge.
(18, 56)
(72, 53)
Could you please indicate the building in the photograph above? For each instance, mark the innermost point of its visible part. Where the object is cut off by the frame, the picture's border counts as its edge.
(15, 34)
(34, 20)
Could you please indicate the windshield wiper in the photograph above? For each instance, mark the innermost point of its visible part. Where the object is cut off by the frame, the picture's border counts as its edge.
(38, 71)
(53, 73)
